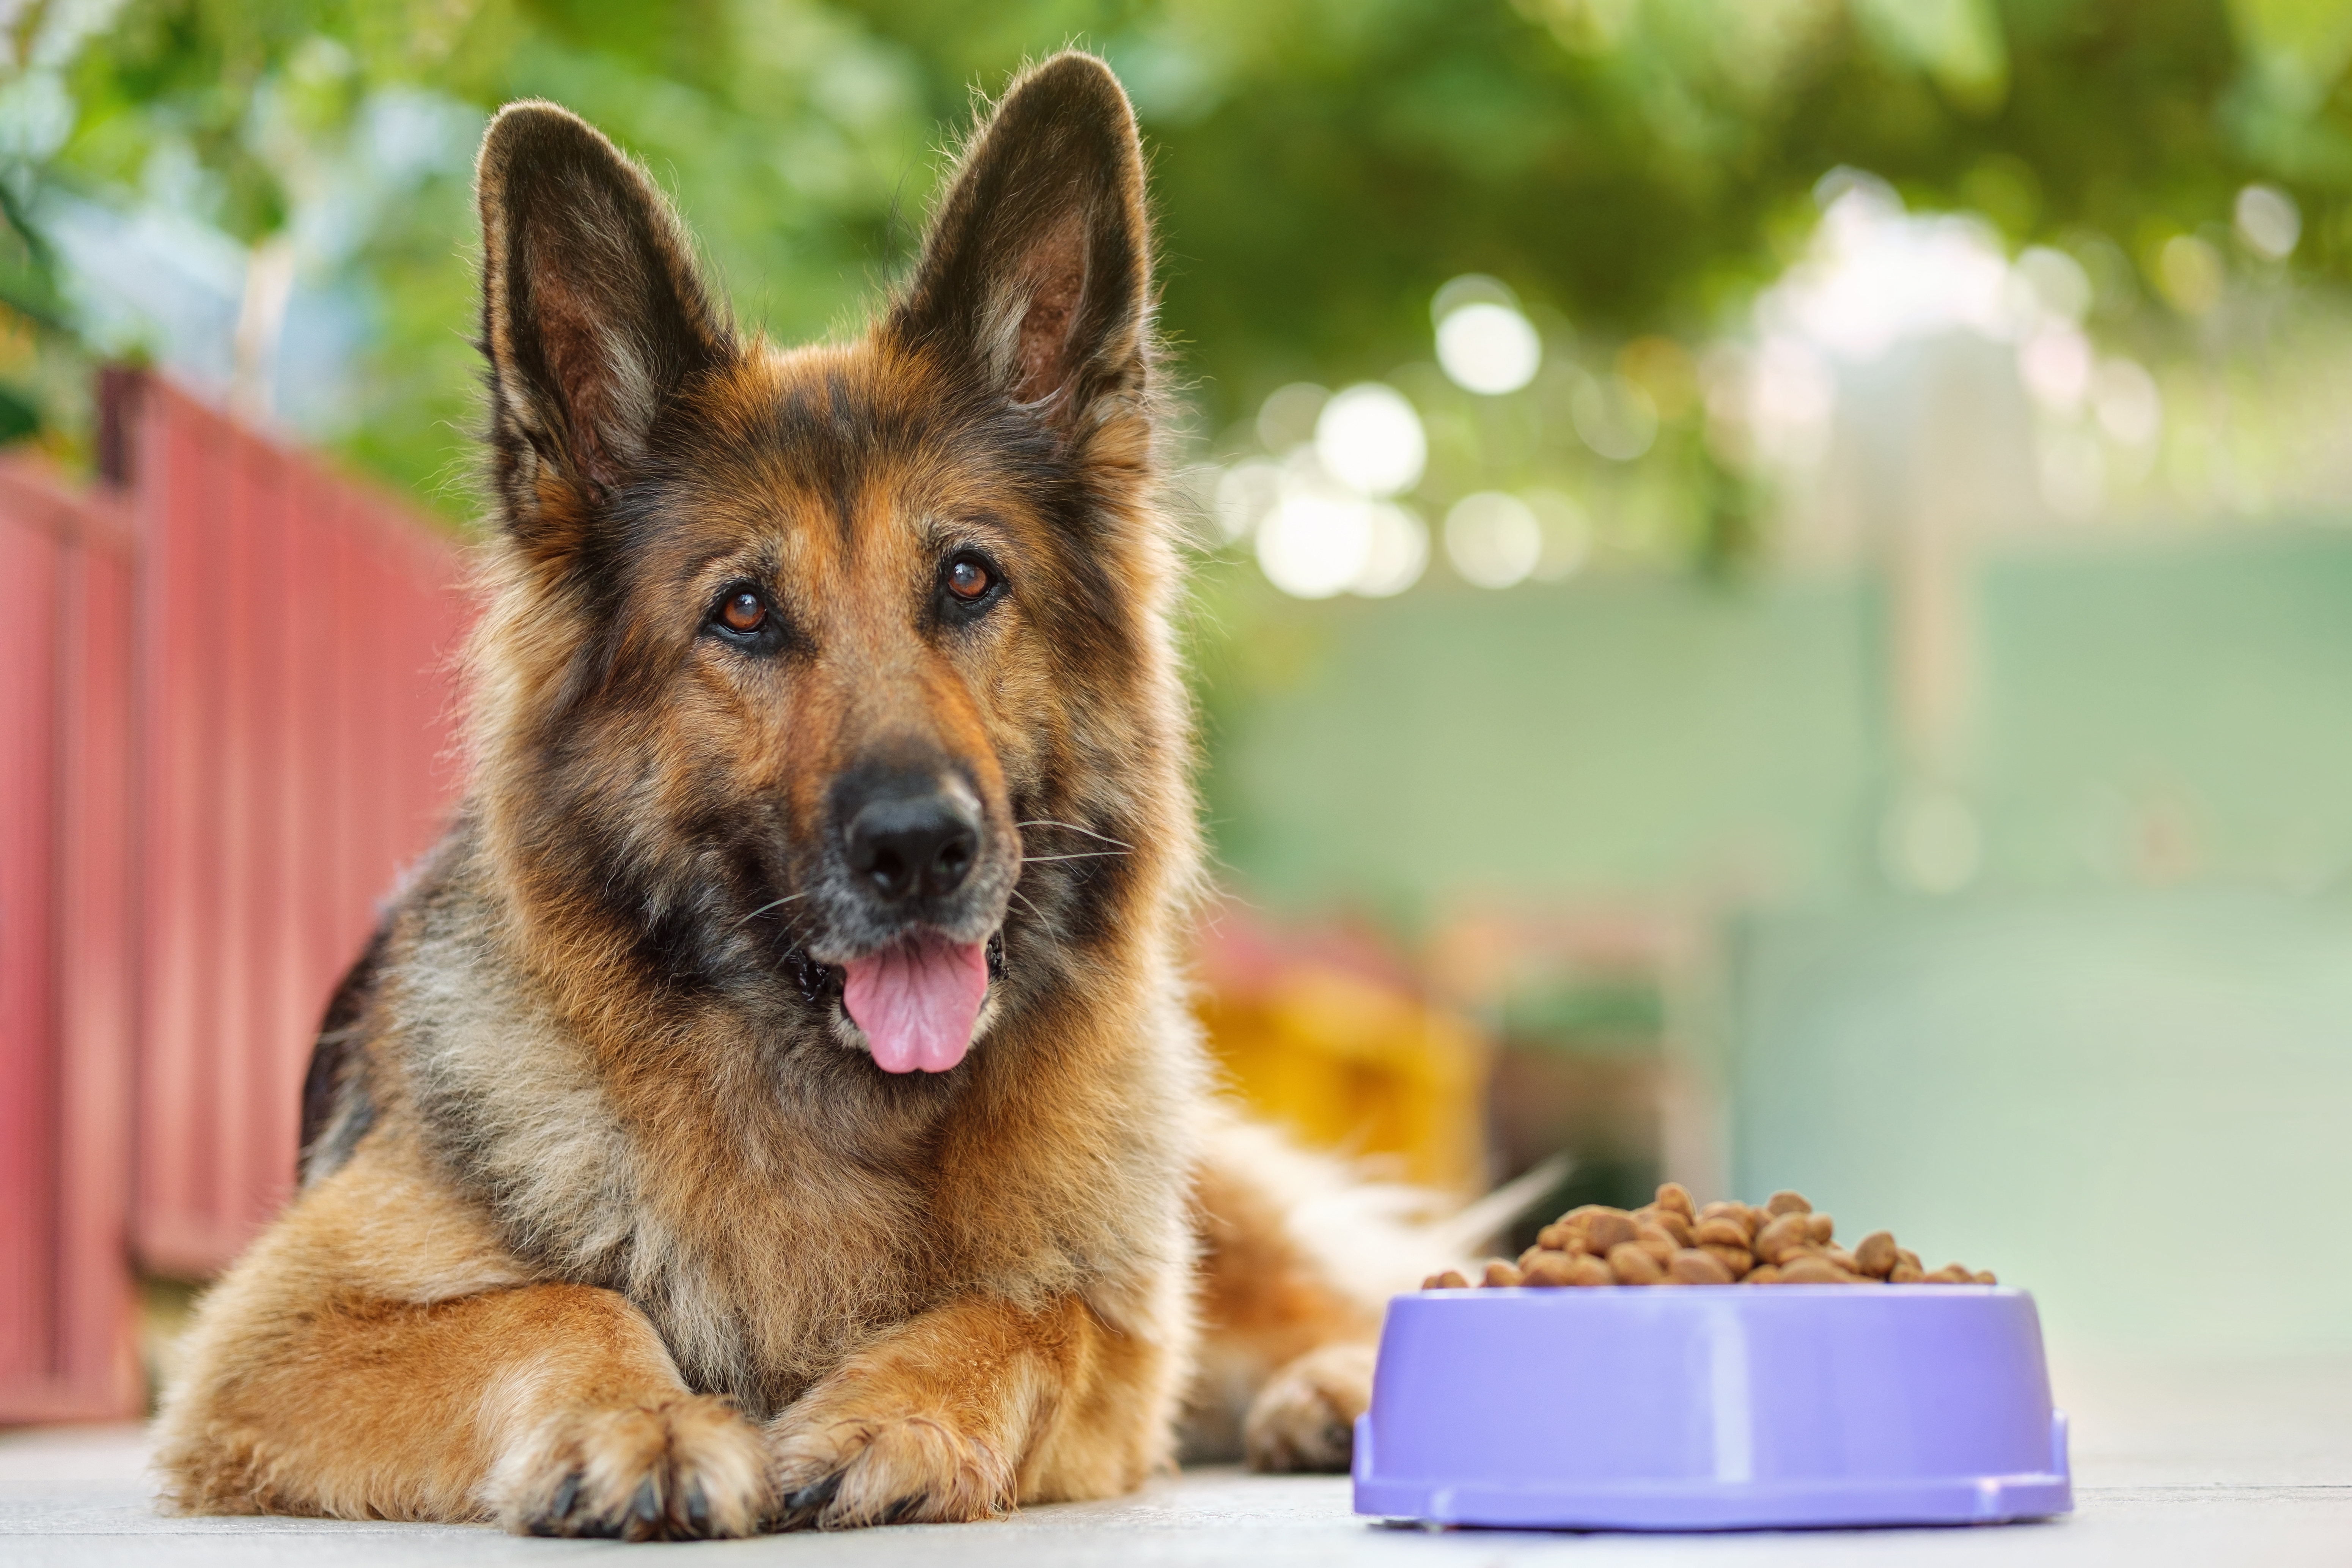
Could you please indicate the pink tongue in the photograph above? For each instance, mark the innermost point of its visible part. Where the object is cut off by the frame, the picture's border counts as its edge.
(917, 1001)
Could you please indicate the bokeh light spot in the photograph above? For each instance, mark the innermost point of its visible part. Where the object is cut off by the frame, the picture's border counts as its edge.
(1493, 539)
(1396, 552)
(1315, 543)
(1614, 416)
(2060, 284)
(2055, 365)
(2268, 221)
(1488, 347)
(1371, 440)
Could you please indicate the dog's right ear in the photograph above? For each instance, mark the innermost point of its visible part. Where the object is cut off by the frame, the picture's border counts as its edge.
(593, 315)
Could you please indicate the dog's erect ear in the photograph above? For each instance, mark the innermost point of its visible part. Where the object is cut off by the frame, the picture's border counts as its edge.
(1036, 273)
(593, 313)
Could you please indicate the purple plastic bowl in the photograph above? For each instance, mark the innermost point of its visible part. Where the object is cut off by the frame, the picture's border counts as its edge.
(1713, 1407)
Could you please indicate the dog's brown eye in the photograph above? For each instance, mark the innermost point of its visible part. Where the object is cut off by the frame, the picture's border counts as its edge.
(743, 612)
(967, 578)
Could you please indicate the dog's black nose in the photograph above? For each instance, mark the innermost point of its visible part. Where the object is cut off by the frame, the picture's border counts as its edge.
(914, 846)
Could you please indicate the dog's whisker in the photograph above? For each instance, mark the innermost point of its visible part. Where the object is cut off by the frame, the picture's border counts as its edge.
(763, 909)
(1085, 855)
(1049, 821)
(1045, 926)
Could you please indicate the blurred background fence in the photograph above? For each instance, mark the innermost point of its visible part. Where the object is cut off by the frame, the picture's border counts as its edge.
(65, 917)
(226, 695)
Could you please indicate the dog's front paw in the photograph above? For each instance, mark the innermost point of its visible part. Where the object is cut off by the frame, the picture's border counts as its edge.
(1305, 1417)
(847, 1457)
(676, 1470)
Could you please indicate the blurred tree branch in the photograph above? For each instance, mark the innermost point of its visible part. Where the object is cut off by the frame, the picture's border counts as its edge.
(1628, 165)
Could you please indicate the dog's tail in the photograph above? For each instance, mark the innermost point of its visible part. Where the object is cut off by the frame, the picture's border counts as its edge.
(1474, 1228)
(1375, 1237)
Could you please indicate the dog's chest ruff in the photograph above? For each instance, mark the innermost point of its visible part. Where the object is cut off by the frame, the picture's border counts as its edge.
(763, 1255)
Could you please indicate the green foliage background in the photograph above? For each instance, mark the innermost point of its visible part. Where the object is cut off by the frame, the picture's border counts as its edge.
(1321, 165)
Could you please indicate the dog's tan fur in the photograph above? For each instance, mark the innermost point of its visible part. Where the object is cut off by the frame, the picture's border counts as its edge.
(608, 1225)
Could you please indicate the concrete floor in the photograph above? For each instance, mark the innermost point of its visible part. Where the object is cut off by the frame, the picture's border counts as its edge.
(2174, 1463)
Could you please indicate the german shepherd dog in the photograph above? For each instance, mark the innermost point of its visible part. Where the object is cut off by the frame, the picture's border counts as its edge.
(774, 1103)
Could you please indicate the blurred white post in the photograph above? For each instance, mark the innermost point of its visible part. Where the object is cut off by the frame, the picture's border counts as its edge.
(1931, 447)
(261, 322)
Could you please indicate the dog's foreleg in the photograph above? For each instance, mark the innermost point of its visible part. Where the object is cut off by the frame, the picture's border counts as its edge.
(975, 1407)
(376, 1356)
(553, 1409)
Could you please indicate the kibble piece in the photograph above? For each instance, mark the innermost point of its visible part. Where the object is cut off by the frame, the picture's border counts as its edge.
(1586, 1270)
(1722, 1230)
(1673, 1224)
(1951, 1274)
(1782, 1236)
(1813, 1269)
(1450, 1280)
(1692, 1267)
(1634, 1266)
(1565, 1233)
(1550, 1268)
(1501, 1273)
(1984, 1277)
(1875, 1254)
(1767, 1275)
(1904, 1255)
(1607, 1230)
(1657, 1242)
(1736, 1260)
(1676, 1196)
(1905, 1274)
(1787, 1202)
(1560, 1237)
(1823, 1228)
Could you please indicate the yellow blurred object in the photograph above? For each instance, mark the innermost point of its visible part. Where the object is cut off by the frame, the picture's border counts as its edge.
(1347, 1062)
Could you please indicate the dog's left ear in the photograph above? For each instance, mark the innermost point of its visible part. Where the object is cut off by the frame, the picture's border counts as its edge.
(1036, 273)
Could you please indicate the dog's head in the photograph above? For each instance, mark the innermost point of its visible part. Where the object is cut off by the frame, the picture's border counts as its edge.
(831, 684)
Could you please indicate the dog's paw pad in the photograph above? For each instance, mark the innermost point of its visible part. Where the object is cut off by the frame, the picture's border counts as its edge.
(1305, 1417)
(686, 1469)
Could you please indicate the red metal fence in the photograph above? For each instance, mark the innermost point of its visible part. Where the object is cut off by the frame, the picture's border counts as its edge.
(225, 710)
(293, 711)
(65, 960)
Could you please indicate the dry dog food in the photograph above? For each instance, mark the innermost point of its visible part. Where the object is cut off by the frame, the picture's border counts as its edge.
(1672, 1241)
